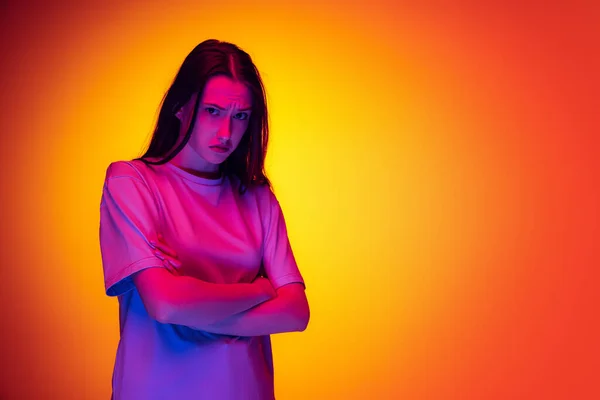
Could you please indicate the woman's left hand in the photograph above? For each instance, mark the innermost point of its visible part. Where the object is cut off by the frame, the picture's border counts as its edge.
(167, 255)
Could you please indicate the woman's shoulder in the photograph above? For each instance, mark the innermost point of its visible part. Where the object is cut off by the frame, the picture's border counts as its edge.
(135, 168)
(263, 195)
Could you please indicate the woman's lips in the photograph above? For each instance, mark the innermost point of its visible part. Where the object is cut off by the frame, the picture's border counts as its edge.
(219, 149)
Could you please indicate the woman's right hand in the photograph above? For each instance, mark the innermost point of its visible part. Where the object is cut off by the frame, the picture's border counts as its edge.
(266, 287)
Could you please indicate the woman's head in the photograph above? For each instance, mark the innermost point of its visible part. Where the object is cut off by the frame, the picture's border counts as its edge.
(215, 113)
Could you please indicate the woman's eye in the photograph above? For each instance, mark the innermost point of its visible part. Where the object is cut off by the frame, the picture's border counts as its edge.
(241, 116)
(212, 110)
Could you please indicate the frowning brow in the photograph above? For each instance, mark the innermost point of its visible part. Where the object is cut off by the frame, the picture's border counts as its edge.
(224, 108)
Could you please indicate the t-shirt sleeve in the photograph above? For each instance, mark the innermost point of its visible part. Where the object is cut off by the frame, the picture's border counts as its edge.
(128, 222)
(278, 259)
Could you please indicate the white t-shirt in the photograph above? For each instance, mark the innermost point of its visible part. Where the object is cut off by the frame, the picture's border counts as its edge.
(219, 236)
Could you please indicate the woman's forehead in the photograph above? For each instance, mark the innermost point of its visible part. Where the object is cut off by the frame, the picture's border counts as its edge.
(225, 91)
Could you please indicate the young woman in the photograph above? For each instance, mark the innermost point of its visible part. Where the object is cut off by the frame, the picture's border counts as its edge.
(194, 242)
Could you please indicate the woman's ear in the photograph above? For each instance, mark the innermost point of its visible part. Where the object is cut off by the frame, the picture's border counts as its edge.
(187, 109)
(179, 114)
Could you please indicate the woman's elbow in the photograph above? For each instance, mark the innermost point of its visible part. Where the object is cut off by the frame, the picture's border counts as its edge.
(296, 307)
(157, 308)
(162, 313)
(303, 323)
(302, 317)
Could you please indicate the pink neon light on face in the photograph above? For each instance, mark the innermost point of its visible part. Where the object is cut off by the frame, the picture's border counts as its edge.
(223, 115)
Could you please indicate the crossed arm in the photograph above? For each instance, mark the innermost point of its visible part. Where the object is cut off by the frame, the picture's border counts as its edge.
(287, 312)
(242, 309)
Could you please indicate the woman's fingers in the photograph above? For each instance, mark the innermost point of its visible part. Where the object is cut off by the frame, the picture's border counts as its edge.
(163, 249)
(175, 263)
(163, 257)
(166, 250)
(170, 267)
(169, 263)
(166, 255)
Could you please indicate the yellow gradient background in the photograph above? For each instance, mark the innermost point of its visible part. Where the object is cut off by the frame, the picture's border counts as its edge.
(437, 164)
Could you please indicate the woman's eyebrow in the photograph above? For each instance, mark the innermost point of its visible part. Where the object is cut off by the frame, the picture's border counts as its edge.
(223, 108)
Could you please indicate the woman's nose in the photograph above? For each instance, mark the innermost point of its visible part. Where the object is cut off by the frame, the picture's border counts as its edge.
(224, 133)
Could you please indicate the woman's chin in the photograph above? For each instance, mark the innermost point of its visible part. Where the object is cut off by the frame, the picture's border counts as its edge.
(216, 157)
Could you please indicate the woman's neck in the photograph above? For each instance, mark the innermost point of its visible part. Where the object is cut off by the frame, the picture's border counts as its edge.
(193, 164)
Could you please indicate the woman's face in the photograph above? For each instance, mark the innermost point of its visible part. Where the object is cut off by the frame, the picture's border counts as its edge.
(222, 120)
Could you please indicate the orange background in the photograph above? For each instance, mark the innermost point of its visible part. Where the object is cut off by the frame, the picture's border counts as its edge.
(437, 165)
